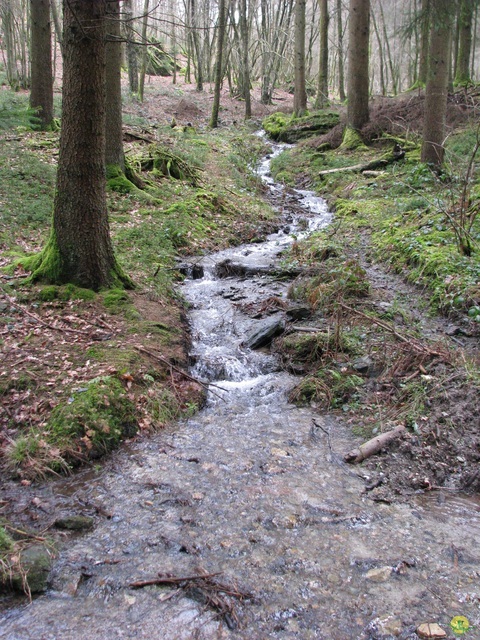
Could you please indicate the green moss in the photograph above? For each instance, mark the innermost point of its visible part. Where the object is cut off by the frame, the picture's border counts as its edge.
(71, 292)
(352, 140)
(95, 420)
(284, 128)
(328, 388)
(115, 300)
(6, 542)
(45, 266)
(48, 293)
(118, 181)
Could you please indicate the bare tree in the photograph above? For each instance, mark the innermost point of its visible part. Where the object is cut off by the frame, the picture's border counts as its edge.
(300, 93)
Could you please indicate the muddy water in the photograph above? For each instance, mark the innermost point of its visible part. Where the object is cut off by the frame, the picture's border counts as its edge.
(251, 487)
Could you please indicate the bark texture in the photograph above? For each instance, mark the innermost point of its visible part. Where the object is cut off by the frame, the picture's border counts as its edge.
(358, 78)
(462, 76)
(113, 126)
(322, 87)
(436, 92)
(41, 93)
(80, 250)
(300, 93)
(219, 63)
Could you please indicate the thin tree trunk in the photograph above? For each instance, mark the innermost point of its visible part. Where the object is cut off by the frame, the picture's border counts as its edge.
(245, 59)
(341, 53)
(462, 72)
(322, 86)
(57, 23)
(196, 46)
(300, 93)
(131, 47)
(114, 155)
(219, 64)
(143, 67)
(424, 42)
(380, 54)
(41, 94)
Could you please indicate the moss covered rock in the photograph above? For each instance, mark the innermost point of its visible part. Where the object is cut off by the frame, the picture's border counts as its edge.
(285, 128)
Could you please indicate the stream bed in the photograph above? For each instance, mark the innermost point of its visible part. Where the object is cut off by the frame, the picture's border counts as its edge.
(256, 490)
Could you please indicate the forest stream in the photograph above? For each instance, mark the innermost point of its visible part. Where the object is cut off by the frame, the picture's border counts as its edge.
(252, 493)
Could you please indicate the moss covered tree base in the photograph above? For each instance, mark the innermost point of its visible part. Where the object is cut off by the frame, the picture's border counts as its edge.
(352, 140)
(48, 267)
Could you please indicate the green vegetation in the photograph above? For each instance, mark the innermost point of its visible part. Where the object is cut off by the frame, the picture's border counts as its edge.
(422, 225)
(285, 128)
(89, 424)
(76, 381)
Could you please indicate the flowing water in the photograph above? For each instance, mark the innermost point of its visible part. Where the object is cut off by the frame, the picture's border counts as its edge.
(256, 489)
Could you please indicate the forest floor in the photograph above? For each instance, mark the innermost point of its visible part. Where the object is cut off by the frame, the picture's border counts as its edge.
(59, 343)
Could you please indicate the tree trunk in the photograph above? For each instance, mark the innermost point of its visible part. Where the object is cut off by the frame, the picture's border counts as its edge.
(245, 59)
(341, 67)
(219, 64)
(57, 23)
(196, 46)
(357, 109)
(143, 67)
(131, 47)
(114, 136)
(8, 24)
(425, 19)
(300, 93)
(462, 76)
(436, 90)
(80, 250)
(322, 86)
(41, 94)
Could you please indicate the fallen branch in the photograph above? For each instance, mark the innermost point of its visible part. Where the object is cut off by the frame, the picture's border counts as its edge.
(167, 579)
(42, 322)
(203, 588)
(374, 445)
(397, 154)
(182, 372)
(415, 344)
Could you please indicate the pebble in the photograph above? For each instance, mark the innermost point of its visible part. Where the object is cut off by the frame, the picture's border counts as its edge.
(382, 574)
(431, 630)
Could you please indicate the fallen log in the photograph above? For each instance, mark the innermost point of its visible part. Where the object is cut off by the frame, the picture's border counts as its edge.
(396, 154)
(374, 445)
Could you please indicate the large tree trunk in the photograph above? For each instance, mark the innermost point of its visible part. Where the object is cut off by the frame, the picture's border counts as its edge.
(300, 93)
(41, 94)
(436, 90)
(80, 250)
(219, 64)
(322, 86)
(114, 137)
(462, 76)
(358, 78)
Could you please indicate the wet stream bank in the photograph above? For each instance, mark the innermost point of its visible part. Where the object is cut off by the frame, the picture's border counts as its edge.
(255, 489)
